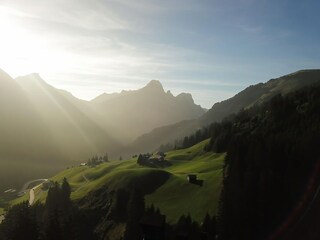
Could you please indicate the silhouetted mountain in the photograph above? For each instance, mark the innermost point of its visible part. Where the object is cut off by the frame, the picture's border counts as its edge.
(259, 93)
(105, 97)
(44, 129)
(133, 113)
(255, 94)
(72, 122)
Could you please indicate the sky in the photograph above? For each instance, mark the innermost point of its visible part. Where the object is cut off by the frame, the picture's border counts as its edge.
(210, 48)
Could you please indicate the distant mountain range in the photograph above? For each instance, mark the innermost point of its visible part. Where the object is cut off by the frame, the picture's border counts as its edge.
(44, 129)
(255, 94)
(133, 113)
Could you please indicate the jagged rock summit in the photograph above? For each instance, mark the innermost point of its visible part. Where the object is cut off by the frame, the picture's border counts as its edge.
(154, 85)
(185, 97)
(147, 108)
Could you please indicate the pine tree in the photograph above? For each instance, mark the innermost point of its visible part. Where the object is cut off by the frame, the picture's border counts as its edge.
(19, 223)
(53, 198)
(53, 230)
(65, 200)
(106, 158)
(136, 209)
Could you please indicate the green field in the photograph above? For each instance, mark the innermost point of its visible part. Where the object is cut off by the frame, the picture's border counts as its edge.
(177, 196)
(20, 199)
(174, 198)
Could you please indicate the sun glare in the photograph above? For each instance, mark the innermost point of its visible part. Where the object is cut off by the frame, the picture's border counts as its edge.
(21, 51)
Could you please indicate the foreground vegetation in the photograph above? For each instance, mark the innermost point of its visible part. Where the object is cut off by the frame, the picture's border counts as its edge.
(103, 192)
(174, 196)
(266, 179)
(271, 169)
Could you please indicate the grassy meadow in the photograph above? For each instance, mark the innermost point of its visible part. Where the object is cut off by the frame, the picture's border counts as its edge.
(174, 197)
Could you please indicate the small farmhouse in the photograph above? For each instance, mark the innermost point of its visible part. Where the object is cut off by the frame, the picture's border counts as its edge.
(192, 178)
(155, 160)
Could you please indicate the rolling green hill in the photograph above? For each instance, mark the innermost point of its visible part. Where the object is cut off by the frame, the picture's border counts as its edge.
(166, 188)
(177, 196)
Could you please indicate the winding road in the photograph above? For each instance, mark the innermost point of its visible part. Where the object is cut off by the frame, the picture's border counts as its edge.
(26, 185)
(31, 192)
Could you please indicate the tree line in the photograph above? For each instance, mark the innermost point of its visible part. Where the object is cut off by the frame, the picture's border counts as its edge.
(58, 218)
(94, 216)
(188, 141)
(272, 151)
(95, 160)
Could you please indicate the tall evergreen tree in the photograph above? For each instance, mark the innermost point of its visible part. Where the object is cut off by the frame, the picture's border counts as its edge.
(53, 229)
(19, 223)
(53, 198)
(65, 195)
(106, 158)
(136, 208)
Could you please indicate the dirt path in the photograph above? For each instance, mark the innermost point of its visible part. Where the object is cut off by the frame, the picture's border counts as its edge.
(32, 194)
(85, 178)
(26, 185)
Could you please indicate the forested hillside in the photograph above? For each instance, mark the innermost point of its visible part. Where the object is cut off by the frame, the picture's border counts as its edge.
(272, 166)
(252, 95)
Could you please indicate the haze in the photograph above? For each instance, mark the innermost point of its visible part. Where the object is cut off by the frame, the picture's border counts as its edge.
(149, 119)
(212, 49)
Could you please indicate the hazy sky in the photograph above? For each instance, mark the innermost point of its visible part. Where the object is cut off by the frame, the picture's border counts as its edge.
(210, 48)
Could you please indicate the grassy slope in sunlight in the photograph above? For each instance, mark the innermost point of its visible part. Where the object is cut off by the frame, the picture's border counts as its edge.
(178, 197)
(174, 198)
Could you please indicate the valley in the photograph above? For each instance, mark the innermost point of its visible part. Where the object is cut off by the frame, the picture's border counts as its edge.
(47, 129)
(194, 180)
(67, 131)
(159, 120)
(174, 196)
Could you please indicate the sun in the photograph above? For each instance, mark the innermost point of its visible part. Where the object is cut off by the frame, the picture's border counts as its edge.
(21, 51)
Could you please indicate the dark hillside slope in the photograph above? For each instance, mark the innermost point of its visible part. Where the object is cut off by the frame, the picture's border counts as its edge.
(72, 124)
(253, 95)
(19, 122)
(271, 168)
(260, 93)
(42, 129)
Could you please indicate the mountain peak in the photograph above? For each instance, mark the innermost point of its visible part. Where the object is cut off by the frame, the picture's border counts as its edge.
(4, 74)
(186, 97)
(154, 85)
(33, 78)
